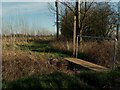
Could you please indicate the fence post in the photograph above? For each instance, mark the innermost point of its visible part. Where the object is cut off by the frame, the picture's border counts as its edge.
(57, 18)
(77, 47)
(74, 37)
(114, 55)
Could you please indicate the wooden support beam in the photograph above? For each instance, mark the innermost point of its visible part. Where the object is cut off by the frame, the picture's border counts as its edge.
(74, 37)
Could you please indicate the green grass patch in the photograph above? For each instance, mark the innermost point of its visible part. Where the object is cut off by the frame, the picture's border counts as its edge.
(101, 79)
(45, 47)
(84, 80)
(55, 80)
(54, 54)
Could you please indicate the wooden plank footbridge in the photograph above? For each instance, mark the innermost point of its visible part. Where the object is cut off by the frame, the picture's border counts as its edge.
(87, 64)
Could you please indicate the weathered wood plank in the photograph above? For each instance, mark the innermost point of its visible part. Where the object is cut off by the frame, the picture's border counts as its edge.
(87, 64)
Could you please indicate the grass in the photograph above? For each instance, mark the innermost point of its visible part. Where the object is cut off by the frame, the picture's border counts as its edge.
(45, 47)
(31, 58)
(84, 80)
(99, 53)
(55, 80)
(96, 52)
(35, 57)
(101, 79)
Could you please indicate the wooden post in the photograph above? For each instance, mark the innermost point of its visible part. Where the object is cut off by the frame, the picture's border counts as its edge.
(118, 21)
(76, 13)
(78, 19)
(57, 19)
(115, 52)
(74, 37)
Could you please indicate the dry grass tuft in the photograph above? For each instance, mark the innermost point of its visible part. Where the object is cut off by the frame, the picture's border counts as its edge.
(100, 53)
(62, 45)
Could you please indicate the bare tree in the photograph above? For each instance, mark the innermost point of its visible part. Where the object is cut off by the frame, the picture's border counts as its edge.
(92, 15)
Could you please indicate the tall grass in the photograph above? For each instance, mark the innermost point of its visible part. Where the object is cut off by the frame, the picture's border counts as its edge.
(100, 53)
(97, 52)
(63, 45)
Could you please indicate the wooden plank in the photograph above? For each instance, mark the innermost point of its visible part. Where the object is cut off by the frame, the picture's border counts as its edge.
(87, 64)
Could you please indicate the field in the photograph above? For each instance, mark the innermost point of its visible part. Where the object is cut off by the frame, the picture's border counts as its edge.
(38, 62)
